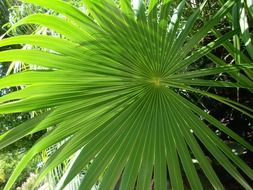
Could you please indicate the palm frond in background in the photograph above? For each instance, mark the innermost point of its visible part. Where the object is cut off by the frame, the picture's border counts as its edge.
(3, 14)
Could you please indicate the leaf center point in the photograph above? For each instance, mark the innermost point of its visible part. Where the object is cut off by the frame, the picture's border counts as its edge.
(156, 82)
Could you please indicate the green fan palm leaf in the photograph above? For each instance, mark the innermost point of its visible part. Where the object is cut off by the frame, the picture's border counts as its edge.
(111, 86)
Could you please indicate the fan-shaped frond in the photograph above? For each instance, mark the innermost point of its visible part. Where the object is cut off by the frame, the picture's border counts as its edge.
(113, 84)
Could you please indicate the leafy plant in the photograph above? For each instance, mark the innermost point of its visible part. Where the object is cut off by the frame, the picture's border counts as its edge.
(115, 85)
(8, 160)
(240, 20)
(3, 14)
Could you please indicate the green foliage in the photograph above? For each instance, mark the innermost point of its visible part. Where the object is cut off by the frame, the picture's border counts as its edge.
(12, 154)
(19, 11)
(114, 86)
(3, 14)
(8, 162)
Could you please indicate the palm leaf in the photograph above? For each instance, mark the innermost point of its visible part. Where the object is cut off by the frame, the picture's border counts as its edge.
(112, 84)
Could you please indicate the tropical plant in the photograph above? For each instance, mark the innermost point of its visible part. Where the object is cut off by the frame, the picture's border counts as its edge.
(240, 18)
(115, 85)
(8, 160)
(3, 14)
